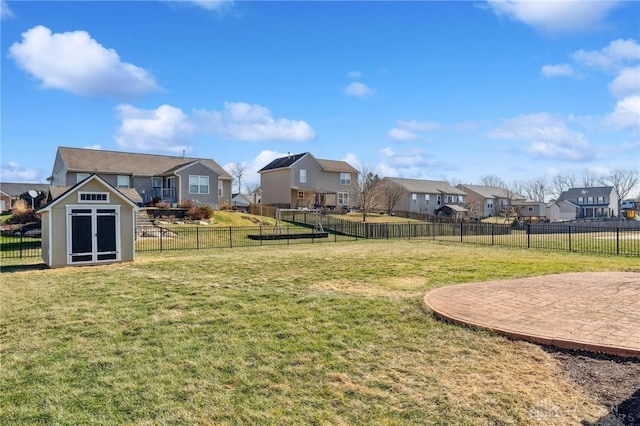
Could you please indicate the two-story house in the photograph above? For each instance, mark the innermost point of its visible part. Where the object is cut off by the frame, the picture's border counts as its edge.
(154, 177)
(597, 202)
(426, 196)
(303, 181)
(484, 201)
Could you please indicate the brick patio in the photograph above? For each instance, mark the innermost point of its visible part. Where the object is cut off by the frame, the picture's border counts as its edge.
(596, 311)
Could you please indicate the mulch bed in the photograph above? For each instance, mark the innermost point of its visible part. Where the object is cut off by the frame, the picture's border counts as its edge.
(612, 381)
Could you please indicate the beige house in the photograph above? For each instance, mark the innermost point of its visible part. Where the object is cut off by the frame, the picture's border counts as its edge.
(303, 181)
(88, 224)
(154, 177)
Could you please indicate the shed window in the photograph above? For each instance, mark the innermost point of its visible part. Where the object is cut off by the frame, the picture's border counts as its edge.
(198, 184)
(93, 197)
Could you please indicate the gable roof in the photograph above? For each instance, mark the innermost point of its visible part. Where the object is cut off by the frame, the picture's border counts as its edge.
(62, 191)
(327, 165)
(101, 161)
(493, 192)
(15, 189)
(574, 193)
(426, 186)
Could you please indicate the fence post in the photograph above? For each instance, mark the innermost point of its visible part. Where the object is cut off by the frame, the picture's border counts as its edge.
(230, 237)
(409, 226)
(492, 233)
(617, 240)
(260, 234)
(197, 239)
(433, 231)
(528, 235)
(161, 229)
(21, 236)
(569, 237)
(461, 223)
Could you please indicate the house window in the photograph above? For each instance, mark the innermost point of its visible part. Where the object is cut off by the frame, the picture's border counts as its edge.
(345, 178)
(449, 198)
(301, 195)
(439, 199)
(530, 209)
(123, 181)
(343, 198)
(426, 199)
(220, 189)
(600, 200)
(198, 184)
(93, 197)
(81, 176)
(589, 200)
(580, 200)
(489, 204)
(303, 175)
(414, 198)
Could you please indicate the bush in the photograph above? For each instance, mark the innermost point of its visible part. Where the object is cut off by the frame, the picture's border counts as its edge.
(186, 204)
(200, 212)
(21, 212)
(163, 204)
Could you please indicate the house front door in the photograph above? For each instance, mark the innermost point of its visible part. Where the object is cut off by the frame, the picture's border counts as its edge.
(93, 234)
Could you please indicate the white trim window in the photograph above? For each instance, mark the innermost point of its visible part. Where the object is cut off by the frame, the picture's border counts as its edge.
(530, 210)
(81, 176)
(439, 199)
(301, 195)
(93, 197)
(414, 198)
(345, 178)
(123, 181)
(220, 188)
(198, 184)
(489, 204)
(426, 199)
(343, 198)
(449, 198)
(303, 175)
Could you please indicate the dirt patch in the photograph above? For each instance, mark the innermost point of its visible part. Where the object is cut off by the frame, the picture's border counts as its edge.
(612, 381)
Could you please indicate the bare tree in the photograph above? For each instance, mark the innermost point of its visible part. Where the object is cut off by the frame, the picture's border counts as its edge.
(622, 181)
(491, 180)
(589, 179)
(561, 183)
(364, 191)
(390, 194)
(536, 189)
(237, 171)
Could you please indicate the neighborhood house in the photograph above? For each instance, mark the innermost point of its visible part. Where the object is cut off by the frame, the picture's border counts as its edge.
(154, 177)
(302, 181)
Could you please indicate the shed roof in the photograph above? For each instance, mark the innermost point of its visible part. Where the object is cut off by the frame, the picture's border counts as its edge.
(56, 193)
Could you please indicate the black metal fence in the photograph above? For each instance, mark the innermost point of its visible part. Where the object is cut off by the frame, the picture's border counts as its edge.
(613, 240)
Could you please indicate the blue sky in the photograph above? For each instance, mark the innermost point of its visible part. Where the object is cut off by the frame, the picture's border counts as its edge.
(431, 90)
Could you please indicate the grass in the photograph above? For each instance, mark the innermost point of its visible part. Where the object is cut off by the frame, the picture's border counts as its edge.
(322, 334)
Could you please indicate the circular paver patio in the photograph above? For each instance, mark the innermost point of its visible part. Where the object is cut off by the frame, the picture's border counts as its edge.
(594, 311)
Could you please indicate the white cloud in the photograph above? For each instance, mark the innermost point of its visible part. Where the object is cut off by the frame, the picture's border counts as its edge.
(626, 83)
(75, 62)
(14, 172)
(165, 128)
(613, 56)
(413, 163)
(212, 4)
(546, 135)
(402, 135)
(247, 122)
(555, 16)
(96, 146)
(626, 114)
(409, 130)
(563, 70)
(5, 11)
(359, 90)
(354, 74)
(251, 167)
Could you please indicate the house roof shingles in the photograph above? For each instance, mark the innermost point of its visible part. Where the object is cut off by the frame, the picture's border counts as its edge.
(575, 193)
(493, 192)
(282, 162)
(15, 189)
(426, 186)
(327, 165)
(90, 160)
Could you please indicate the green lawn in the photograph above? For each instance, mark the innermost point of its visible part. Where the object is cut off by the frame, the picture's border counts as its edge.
(301, 334)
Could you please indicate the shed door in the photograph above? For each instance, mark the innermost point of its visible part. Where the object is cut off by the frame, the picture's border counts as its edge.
(93, 234)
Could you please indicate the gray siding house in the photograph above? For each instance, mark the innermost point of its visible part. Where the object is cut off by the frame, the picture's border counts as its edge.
(303, 181)
(484, 201)
(154, 177)
(597, 202)
(426, 196)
